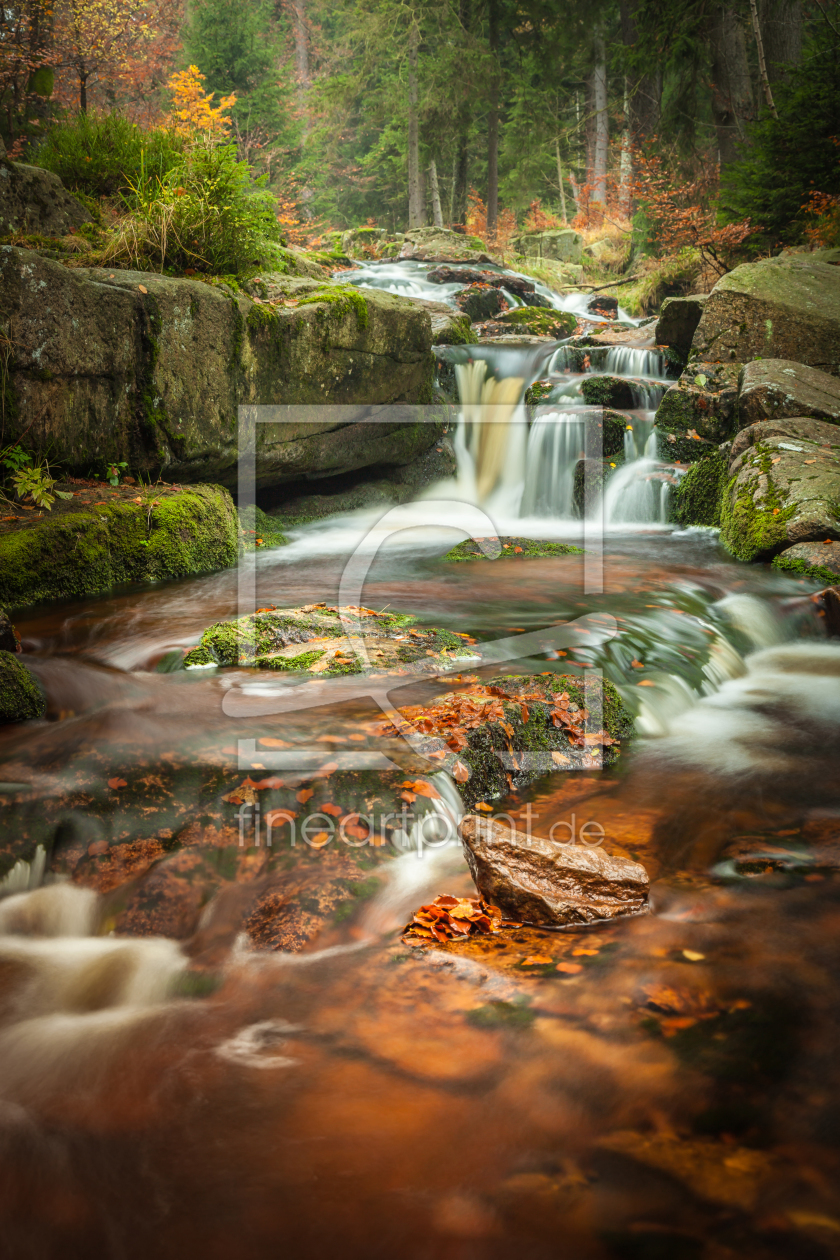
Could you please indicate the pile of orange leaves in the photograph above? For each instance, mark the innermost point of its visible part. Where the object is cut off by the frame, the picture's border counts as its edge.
(452, 918)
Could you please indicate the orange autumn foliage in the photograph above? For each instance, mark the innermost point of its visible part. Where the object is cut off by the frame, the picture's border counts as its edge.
(193, 110)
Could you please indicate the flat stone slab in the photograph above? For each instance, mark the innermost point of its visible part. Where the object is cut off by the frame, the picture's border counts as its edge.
(549, 884)
(33, 200)
(780, 308)
(781, 387)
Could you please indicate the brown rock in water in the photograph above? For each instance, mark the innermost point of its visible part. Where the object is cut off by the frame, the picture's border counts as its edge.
(550, 884)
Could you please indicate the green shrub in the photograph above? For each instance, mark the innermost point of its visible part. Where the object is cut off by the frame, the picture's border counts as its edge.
(207, 215)
(105, 155)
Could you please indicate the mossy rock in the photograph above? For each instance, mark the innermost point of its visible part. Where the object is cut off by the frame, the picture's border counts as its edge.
(85, 548)
(520, 742)
(607, 391)
(539, 322)
(512, 549)
(816, 561)
(21, 699)
(314, 639)
(258, 530)
(699, 495)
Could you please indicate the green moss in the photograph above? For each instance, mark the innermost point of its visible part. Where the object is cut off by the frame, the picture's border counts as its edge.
(198, 657)
(343, 299)
(21, 698)
(72, 553)
(750, 530)
(606, 391)
(541, 322)
(458, 333)
(537, 393)
(800, 568)
(256, 524)
(262, 315)
(699, 496)
(304, 660)
(530, 547)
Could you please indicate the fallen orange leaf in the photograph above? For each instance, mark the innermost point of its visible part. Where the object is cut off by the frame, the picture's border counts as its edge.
(269, 742)
(569, 969)
(537, 960)
(304, 794)
(329, 808)
(117, 783)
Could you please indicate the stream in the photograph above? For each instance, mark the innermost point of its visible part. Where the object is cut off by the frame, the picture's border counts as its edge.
(180, 1076)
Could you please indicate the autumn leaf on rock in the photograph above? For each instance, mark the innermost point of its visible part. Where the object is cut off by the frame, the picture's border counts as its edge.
(460, 773)
(304, 794)
(117, 783)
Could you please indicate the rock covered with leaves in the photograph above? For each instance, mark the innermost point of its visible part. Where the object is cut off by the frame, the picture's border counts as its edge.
(508, 547)
(500, 734)
(546, 883)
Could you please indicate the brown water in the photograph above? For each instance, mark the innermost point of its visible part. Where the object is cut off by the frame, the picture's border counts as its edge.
(201, 1056)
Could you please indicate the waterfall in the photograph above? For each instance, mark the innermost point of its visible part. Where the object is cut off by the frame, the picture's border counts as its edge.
(639, 493)
(627, 361)
(556, 442)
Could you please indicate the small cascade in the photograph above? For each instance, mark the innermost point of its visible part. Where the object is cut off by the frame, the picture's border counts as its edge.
(647, 395)
(637, 438)
(556, 441)
(628, 361)
(639, 493)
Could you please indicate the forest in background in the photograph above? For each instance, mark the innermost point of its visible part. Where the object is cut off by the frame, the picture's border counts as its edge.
(685, 125)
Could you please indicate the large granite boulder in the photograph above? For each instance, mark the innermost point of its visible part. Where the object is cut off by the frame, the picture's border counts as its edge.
(784, 487)
(702, 405)
(121, 365)
(678, 322)
(437, 244)
(558, 244)
(781, 387)
(549, 883)
(450, 327)
(779, 308)
(36, 202)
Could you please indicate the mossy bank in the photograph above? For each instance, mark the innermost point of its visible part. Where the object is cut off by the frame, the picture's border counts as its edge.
(21, 699)
(104, 537)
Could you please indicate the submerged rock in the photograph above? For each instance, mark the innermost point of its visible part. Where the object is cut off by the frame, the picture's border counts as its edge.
(512, 548)
(771, 388)
(21, 699)
(784, 487)
(780, 308)
(103, 537)
(549, 884)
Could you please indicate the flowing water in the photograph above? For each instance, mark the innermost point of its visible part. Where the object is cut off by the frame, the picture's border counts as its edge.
(181, 1076)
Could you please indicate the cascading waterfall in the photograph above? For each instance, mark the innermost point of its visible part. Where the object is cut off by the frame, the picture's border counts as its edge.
(556, 442)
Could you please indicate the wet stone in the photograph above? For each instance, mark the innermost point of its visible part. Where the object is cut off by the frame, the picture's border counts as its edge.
(547, 883)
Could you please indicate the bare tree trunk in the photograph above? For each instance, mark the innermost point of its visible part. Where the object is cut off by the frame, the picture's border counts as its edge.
(461, 180)
(83, 78)
(762, 64)
(625, 190)
(493, 124)
(781, 26)
(602, 124)
(416, 215)
(589, 133)
(301, 31)
(645, 90)
(732, 103)
(560, 180)
(437, 213)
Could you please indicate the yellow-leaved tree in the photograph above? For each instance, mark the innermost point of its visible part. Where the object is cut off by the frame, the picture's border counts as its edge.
(193, 109)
